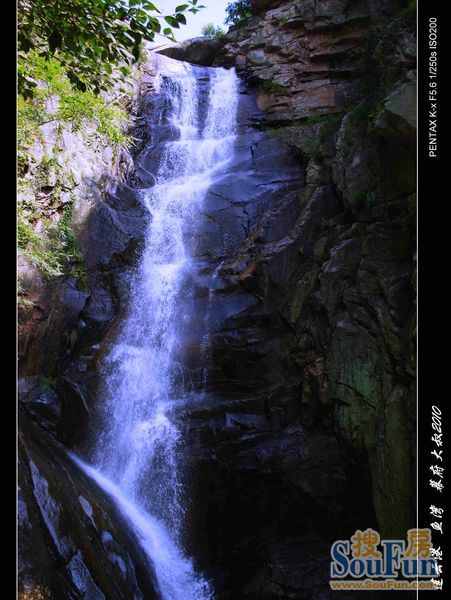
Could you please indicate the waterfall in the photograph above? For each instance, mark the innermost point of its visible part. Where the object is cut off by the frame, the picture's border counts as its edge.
(137, 458)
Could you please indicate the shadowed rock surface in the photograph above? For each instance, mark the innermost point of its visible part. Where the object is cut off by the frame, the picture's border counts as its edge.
(307, 429)
(198, 51)
(73, 542)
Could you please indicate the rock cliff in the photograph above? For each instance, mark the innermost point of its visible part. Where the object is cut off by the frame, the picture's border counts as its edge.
(338, 80)
(308, 430)
(327, 346)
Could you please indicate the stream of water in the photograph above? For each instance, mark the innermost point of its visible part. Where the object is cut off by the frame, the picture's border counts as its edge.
(137, 459)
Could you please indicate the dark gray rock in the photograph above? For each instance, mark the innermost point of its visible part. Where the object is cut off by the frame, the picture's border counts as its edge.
(309, 232)
(73, 542)
(43, 404)
(199, 51)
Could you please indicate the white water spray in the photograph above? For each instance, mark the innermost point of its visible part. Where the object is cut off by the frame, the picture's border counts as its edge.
(137, 456)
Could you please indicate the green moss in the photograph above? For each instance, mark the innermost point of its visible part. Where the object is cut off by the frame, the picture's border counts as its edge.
(69, 250)
(371, 410)
(391, 469)
(363, 199)
(330, 125)
(376, 80)
(310, 138)
(48, 383)
(313, 149)
(331, 120)
(272, 87)
(356, 120)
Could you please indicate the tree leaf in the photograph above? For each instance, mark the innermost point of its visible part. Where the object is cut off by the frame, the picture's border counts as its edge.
(172, 22)
(151, 6)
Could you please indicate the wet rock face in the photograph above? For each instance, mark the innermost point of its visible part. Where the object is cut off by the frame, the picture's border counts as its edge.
(272, 482)
(313, 306)
(306, 432)
(73, 542)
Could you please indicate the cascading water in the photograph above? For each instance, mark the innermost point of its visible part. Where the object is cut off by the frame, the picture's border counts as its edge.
(137, 455)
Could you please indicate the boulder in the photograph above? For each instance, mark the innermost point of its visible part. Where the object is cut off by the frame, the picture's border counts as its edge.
(198, 51)
(73, 541)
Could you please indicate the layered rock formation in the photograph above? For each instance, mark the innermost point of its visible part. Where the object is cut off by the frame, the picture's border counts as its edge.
(304, 53)
(308, 430)
(350, 296)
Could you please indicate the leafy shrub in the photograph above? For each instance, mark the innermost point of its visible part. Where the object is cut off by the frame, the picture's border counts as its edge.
(91, 38)
(72, 107)
(38, 250)
(238, 11)
(55, 250)
(213, 31)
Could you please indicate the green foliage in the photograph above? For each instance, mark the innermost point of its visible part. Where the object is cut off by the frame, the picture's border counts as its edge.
(294, 348)
(69, 251)
(95, 41)
(213, 31)
(74, 58)
(24, 303)
(54, 250)
(56, 100)
(38, 250)
(376, 80)
(411, 10)
(238, 11)
(331, 124)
